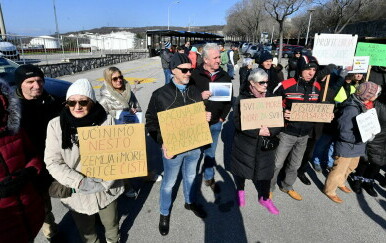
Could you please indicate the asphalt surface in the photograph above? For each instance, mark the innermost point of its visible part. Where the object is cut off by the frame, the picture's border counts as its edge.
(361, 218)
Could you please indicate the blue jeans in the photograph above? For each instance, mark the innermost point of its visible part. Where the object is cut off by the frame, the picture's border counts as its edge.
(231, 70)
(324, 150)
(188, 161)
(210, 152)
(168, 74)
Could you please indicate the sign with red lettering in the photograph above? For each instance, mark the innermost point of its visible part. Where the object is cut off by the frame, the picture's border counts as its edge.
(113, 152)
(311, 112)
(258, 112)
(184, 128)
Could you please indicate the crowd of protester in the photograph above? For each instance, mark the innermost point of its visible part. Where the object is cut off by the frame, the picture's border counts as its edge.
(39, 146)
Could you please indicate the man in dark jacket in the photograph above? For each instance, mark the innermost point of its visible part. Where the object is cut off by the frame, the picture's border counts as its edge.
(295, 134)
(37, 109)
(166, 56)
(349, 145)
(175, 94)
(208, 72)
(265, 63)
(293, 63)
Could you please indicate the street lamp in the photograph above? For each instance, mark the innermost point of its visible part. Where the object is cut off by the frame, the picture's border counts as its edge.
(176, 2)
(309, 23)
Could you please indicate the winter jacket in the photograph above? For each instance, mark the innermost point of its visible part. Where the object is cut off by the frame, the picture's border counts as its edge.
(166, 57)
(293, 91)
(21, 205)
(165, 98)
(376, 149)
(65, 167)
(378, 75)
(112, 100)
(349, 142)
(273, 79)
(248, 160)
(201, 79)
(244, 74)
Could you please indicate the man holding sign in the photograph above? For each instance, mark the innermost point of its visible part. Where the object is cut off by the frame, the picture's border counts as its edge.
(177, 93)
(294, 137)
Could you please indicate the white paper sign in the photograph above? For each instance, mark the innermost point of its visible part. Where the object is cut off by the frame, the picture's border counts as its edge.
(368, 124)
(338, 49)
(220, 91)
(360, 65)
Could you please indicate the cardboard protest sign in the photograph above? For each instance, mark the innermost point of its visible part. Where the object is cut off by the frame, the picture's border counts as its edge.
(335, 48)
(360, 65)
(377, 53)
(311, 112)
(113, 152)
(184, 128)
(259, 112)
(368, 124)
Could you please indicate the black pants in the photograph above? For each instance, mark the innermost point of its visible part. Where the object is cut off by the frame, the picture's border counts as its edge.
(262, 186)
(366, 169)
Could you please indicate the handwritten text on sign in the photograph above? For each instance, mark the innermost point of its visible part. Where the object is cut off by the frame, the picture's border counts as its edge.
(377, 53)
(368, 124)
(113, 152)
(259, 112)
(312, 112)
(184, 128)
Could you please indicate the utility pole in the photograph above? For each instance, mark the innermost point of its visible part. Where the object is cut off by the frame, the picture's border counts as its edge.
(2, 25)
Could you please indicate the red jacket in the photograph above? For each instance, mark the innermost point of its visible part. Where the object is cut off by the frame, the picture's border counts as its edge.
(21, 214)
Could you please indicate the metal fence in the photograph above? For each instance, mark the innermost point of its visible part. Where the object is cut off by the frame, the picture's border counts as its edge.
(48, 49)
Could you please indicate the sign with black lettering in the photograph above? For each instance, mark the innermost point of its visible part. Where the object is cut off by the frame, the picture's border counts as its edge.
(368, 124)
(113, 152)
(311, 112)
(258, 112)
(184, 128)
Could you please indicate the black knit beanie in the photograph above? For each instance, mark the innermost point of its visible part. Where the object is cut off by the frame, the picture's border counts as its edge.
(27, 71)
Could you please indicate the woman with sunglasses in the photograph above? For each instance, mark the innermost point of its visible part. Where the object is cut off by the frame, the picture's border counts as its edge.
(117, 98)
(250, 160)
(90, 196)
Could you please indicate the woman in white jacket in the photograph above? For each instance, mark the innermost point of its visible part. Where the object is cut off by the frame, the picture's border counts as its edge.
(90, 195)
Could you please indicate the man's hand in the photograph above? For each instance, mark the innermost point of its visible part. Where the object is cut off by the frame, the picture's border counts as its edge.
(164, 151)
(206, 94)
(287, 114)
(264, 131)
(208, 116)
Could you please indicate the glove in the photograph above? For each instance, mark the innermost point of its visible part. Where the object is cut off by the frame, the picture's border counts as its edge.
(57, 190)
(90, 185)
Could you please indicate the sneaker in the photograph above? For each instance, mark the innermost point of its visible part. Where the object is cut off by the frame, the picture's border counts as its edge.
(268, 204)
(318, 168)
(241, 198)
(157, 178)
(197, 210)
(292, 193)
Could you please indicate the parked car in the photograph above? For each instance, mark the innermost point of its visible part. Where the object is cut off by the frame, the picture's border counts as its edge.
(254, 51)
(302, 50)
(55, 87)
(288, 50)
(244, 47)
(9, 50)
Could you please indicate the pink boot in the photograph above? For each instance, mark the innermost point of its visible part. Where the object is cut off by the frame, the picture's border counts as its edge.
(241, 198)
(268, 204)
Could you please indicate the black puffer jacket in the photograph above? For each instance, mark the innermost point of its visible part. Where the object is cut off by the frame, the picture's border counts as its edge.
(244, 74)
(248, 160)
(201, 79)
(378, 75)
(376, 149)
(165, 98)
(273, 79)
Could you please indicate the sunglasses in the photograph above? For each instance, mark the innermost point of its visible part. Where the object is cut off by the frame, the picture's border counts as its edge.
(116, 78)
(185, 70)
(263, 82)
(72, 103)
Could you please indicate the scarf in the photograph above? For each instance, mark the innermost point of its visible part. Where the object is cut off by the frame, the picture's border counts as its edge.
(256, 93)
(69, 123)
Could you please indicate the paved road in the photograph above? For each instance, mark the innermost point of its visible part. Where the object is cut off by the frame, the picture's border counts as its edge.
(360, 218)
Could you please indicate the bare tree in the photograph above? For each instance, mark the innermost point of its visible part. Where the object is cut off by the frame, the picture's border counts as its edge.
(280, 10)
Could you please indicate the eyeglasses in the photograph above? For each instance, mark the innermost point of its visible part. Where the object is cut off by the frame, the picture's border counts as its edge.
(116, 78)
(185, 70)
(263, 82)
(72, 103)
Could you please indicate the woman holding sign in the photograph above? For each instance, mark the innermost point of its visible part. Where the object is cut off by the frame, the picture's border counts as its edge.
(254, 150)
(90, 196)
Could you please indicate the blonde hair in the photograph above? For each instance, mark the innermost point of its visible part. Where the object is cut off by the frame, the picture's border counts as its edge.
(108, 73)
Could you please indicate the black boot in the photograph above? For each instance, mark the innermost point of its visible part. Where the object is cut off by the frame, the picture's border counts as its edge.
(164, 224)
(197, 210)
(369, 188)
(356, 186)
(303, 178)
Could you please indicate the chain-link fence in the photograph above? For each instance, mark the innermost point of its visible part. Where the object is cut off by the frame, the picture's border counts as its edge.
(49, 49)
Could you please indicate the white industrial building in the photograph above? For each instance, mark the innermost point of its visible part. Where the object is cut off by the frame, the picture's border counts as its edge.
(44, 41)
(115, 41)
